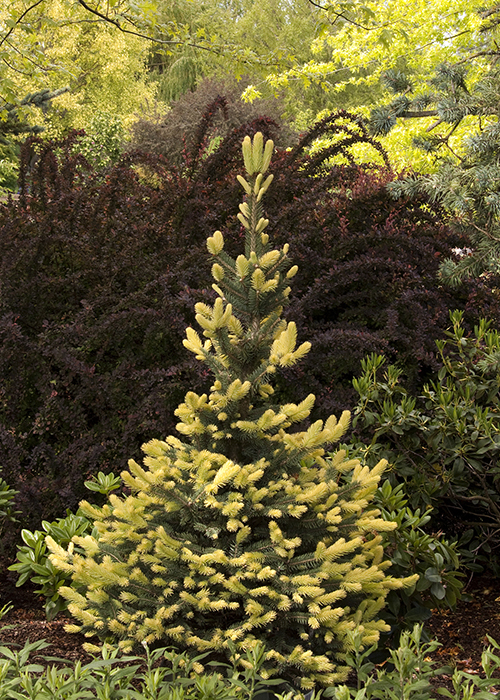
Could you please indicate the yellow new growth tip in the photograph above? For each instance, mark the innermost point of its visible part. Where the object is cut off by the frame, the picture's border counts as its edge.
(247, 155)
(244, 184)
(242, 266)
(255, 156)
(215, 243)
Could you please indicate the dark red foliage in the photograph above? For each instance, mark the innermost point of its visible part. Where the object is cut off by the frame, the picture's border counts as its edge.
(176, 134)
(100, 275)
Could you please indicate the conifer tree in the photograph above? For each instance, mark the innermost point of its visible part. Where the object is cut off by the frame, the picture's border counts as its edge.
(466, 180)
(243, 531)
(14, 122)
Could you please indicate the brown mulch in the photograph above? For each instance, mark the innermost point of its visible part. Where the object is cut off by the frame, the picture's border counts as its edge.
(462, 633)
(27, 622)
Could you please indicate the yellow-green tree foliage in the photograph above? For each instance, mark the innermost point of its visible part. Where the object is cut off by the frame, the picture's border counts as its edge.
(63, 45)
(243, 530)
(357, 41)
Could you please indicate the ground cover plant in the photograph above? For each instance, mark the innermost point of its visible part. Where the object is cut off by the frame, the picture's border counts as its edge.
(241, 533)
(163, 674)
(100, 273)
(413, 673)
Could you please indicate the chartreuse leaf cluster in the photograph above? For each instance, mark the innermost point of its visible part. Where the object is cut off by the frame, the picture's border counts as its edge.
(241, 532)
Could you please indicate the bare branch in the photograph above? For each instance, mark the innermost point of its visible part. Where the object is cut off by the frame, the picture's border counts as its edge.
(26, 57)
(13, 68)
(417, 115)
(155, 40)
(491, 11)
(477, 55)
(341, 15)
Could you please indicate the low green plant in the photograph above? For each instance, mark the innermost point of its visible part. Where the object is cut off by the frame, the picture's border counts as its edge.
(32, 558)
(33, 563)
(8, 175)
(160, 674)
(165, 674)
(413, 675)
(7, 512)
(444, 445)
(412, 549)
(103, 483)
(7, 607)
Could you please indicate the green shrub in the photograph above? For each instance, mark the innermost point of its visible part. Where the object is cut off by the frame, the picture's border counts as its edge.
(33, 563)
(102, 143)
(243, 533)
(445, 444)
(8, 174)
(414, 550)
(412, 673)
(7, 512)
(32, 558)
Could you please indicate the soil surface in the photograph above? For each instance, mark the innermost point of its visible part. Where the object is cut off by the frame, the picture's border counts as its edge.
(462, 632)
(26, 621)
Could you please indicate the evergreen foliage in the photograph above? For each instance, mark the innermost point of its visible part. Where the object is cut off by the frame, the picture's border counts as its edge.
(242, 533)
(14, 123)
(443, 444)
(100, 273)
(466, 180)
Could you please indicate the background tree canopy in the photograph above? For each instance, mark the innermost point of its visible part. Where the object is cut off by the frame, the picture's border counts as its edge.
(117, 57)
